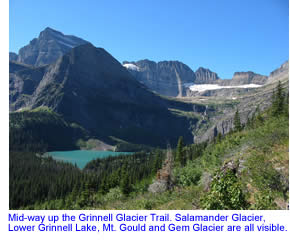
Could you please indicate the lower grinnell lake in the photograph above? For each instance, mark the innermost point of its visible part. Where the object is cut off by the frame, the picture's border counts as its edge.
(81, 157)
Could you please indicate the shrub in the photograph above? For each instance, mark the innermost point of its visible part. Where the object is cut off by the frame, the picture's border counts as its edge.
(225, 193)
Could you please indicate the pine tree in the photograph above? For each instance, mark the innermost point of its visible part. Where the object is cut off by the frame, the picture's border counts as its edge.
(157, 160)
(180, 153)
(104, 186)
(286, 105)
(278, 101)
(126, 185)
(237, 122)
(85, 195)
(72, 197)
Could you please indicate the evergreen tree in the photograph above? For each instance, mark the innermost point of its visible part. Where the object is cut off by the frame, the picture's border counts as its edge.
(286, 105)
(237, 122)
(157, 160)
(104, 186)
(73, 196)
(278, 101)
(126, 185)
(84, 195)
(180, 153)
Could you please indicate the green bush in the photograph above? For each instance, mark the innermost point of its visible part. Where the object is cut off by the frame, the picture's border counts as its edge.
(225, 193)
(187, 176)
(264, 201)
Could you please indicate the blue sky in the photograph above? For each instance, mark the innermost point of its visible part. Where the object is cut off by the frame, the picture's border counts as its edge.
(222, 35)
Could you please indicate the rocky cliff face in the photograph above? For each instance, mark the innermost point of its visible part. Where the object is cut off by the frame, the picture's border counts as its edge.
(48, 47)
(166, 77)
(241, 78)
(23, 80)
(205, 76)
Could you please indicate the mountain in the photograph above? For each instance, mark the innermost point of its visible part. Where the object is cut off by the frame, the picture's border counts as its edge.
(280, 73)
(241, 78)
(86, 97)
(241, 83)
(205, 76)
(249, 101)
(91, 88)
(13, 56)
(166, 78)
(48, 47)
(115, 103)
(173, 78)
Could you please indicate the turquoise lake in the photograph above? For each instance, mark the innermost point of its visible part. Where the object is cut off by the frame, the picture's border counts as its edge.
(81, 157)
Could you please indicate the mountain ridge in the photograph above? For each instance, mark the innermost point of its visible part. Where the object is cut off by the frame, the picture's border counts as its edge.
(47, 48)
(164, 77)
(176, 81)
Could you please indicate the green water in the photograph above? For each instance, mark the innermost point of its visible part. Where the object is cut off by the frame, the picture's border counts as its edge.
(81, 157)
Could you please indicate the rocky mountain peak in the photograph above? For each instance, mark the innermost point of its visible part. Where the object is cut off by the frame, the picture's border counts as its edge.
(48, 29)
(48, 47)
(49, 33)
(205, 76)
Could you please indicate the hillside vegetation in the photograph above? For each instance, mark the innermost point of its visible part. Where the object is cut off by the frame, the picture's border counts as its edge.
(245, 169)
(42, 130)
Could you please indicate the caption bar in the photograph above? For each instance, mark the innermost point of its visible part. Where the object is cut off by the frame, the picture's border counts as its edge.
(151, 222)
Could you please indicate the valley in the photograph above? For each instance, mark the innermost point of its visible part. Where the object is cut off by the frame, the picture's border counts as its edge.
(141, 135)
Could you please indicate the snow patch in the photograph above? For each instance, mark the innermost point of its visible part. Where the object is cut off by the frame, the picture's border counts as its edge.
(131, 66)
(205, 87)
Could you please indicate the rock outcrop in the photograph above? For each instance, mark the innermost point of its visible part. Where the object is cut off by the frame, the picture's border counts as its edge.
(47, 48)
(164, 181)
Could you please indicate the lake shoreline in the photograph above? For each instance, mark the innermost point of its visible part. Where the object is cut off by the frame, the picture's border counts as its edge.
(81, 157)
